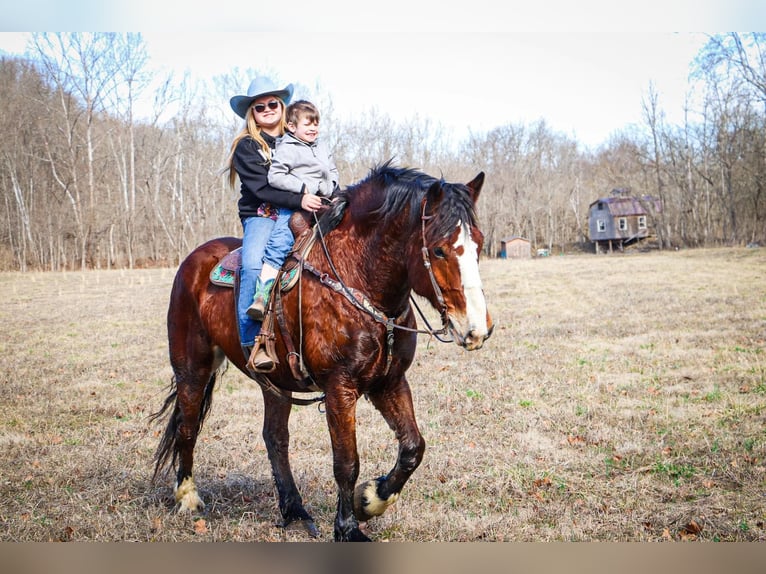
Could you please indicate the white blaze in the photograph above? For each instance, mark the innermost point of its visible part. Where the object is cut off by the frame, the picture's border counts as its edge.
(476, 306)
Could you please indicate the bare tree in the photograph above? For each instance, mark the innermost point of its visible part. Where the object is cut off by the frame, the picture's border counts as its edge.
(82, 70)
(131, 78)
(653, 116)
(744, 55)
(20, 178)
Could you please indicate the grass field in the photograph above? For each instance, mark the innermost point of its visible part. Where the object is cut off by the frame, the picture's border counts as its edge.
(621, 398)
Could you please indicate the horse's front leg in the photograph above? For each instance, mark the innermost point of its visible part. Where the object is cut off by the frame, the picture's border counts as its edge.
(373, 497)
(341, 421)
(276, 435)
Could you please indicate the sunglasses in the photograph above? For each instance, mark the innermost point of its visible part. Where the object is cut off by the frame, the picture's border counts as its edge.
(260, 108)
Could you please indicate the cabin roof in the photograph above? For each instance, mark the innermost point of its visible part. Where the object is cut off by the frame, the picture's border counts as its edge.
(514, 238)
(622, 206)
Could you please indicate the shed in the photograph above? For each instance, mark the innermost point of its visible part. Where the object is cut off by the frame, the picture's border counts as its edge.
(515, 248)
(621, 219)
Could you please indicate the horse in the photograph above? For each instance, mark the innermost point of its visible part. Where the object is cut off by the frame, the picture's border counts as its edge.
(395, 232)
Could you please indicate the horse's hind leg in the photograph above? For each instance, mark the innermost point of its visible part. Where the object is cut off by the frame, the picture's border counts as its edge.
(194, 364)
(373, 497)
(192, 403)
(276, 435)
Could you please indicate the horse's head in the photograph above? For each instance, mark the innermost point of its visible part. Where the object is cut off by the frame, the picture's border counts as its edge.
(449, 274)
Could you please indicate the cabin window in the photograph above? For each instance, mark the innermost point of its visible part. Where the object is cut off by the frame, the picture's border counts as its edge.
(601, 225)
(622, 224)
(642, 221)
(600, 205)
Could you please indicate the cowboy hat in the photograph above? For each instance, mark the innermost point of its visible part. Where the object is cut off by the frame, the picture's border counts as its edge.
(261, 86)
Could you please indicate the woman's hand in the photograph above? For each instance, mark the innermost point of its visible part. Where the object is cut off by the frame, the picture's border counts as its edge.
(311, 202)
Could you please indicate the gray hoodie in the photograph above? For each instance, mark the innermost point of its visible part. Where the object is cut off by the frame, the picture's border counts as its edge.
(296, 163)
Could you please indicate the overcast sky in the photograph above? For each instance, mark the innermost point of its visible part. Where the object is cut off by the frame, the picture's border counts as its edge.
(583, 67)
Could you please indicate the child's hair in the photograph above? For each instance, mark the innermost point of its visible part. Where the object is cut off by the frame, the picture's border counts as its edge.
(299, 109)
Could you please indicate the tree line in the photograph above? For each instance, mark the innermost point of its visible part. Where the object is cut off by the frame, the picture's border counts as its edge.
(87, 182)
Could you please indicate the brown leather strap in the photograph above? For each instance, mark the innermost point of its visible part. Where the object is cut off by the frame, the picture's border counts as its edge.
(266, 384)
(293, 359)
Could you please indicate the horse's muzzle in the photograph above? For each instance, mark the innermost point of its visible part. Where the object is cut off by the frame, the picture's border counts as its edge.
(473, 339)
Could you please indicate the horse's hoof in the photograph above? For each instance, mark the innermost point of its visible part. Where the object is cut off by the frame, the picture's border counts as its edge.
(367, 500)
(306, 525)
(188, 498)
(353, 535)
(358, 536)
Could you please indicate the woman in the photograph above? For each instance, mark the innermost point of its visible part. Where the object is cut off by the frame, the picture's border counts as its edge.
(263, 109)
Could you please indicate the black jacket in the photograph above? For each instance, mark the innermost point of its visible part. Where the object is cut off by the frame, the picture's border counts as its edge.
(253, 170)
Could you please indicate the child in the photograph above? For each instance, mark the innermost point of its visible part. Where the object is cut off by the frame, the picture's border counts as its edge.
(301, 164)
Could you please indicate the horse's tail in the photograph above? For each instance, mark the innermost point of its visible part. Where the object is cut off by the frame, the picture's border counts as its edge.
(166, 451)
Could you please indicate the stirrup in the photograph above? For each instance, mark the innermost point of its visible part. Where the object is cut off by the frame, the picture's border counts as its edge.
(260, 361)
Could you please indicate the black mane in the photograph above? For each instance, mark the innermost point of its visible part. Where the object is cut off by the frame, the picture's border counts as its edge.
(402, 189)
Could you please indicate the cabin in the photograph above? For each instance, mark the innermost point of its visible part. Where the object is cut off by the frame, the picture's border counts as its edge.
(621, 219)
(515, 248)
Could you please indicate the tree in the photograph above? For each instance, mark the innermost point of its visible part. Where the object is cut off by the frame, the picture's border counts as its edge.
(21, 180)
(654, 120)
(88, 180)
(733, 69)
(130, 59)
(82, 70)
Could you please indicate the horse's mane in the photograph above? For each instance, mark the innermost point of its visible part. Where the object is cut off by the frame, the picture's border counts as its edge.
(401, 189)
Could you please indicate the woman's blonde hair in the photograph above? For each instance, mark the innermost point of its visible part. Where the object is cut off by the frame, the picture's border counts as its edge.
(252, 130)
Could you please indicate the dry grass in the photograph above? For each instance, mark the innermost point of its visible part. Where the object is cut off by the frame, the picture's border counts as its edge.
(621, 398)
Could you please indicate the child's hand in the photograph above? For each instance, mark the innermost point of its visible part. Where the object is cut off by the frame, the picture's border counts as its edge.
(311, 202)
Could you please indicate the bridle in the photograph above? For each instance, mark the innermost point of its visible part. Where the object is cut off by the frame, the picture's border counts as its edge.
(437, 290)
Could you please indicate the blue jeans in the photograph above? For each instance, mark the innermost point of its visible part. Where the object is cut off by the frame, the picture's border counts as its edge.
(263, 240)
(280, 241)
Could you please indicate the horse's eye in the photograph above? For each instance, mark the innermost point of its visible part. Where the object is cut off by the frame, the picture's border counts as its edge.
(439, 252)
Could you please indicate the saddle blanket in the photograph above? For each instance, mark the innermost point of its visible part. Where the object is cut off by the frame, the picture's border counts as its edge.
(227, 271)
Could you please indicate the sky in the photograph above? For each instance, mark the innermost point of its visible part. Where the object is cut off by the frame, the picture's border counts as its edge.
(582, 67)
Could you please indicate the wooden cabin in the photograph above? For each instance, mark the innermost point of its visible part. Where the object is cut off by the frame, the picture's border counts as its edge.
(621, 219)
(515, 248)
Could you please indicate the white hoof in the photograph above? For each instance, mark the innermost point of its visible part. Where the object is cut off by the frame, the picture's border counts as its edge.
(367, 502)
(187, 496)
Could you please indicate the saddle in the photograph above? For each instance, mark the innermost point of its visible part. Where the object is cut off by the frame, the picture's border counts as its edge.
(226, 274)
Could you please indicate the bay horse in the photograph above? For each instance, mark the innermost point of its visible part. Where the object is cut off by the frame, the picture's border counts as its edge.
(350, 315)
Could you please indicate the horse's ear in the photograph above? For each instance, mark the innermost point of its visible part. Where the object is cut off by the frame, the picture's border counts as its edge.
(435, 192)
(475, 186)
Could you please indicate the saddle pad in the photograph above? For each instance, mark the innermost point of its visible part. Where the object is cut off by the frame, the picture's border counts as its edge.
(225, 273)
